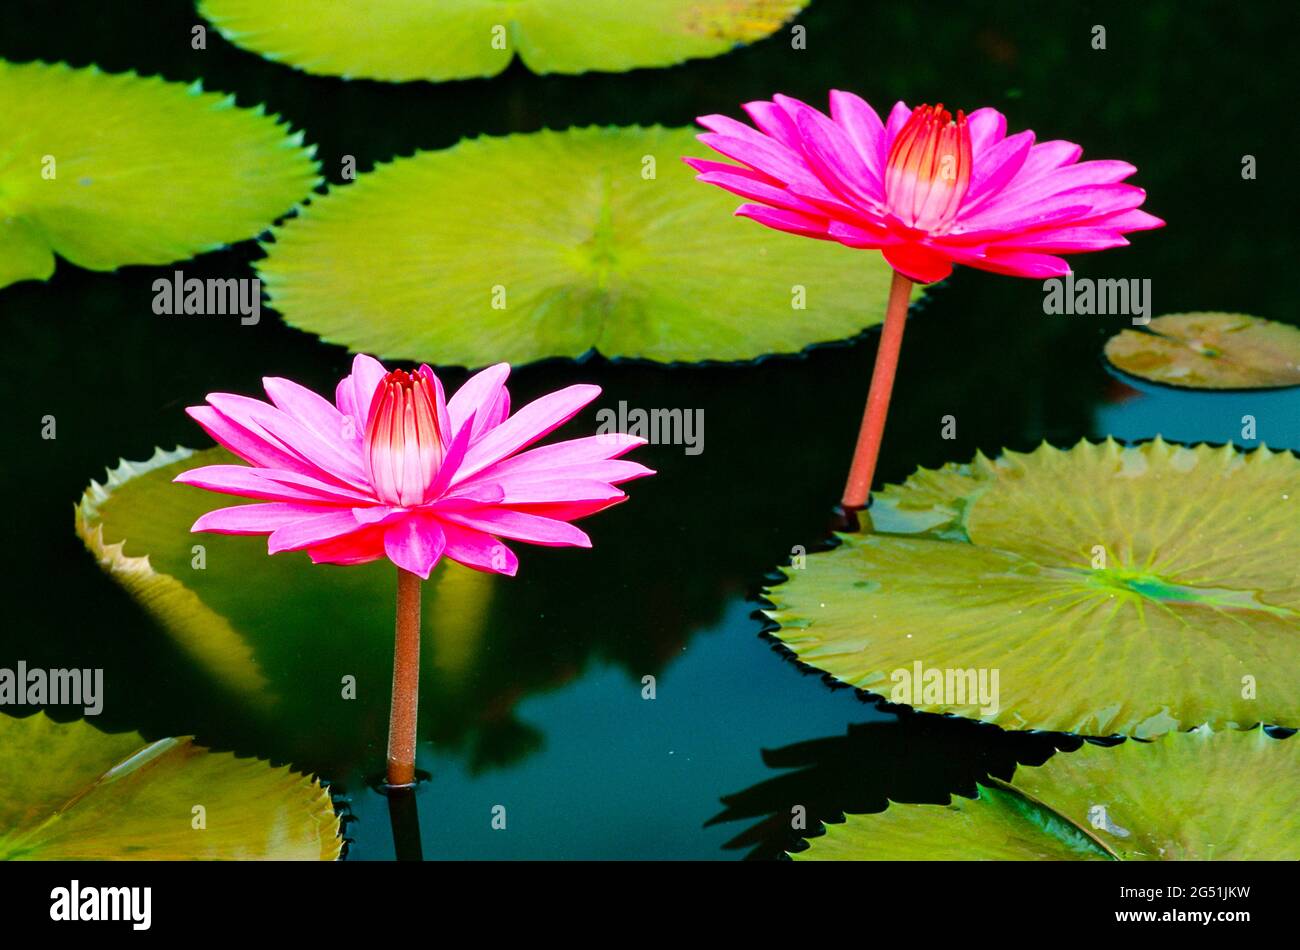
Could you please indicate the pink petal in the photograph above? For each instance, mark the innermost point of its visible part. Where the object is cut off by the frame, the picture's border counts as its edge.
(834, 159)
(991, 172)
(316, 529)
(610, 471)
(534, 421)
(485, 397)
(314, 411)
(359, 547)
(851, 235)
(379, 514)
(864, 129)
(558, 490)
(1132, 220)
(440, 409)
(414, 544)
(478, 550)
(250, 442)
(272, 484)
(355, 392)
(570, 510)
(1066, 179)
(1094, 200)
(332, 456)
(918, 263)
(753, 186)
(898, 117)
(790, 221)
(521, 526)
(772, 120)
(1065, 240)
(765, 155)
(472, 494)
(592, 448)
(987, 128)
(1045, 157)
(452, 461)
(254, 519)
(1022, 264)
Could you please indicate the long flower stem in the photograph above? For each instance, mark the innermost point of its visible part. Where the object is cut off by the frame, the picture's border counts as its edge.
(406, 681)
(863, 470)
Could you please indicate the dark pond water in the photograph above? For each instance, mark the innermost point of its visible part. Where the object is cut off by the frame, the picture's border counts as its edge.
(548, 719)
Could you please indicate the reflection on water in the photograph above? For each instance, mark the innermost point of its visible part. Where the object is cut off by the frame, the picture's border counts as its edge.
(1141, 410)
(532, 691)
(619, 775)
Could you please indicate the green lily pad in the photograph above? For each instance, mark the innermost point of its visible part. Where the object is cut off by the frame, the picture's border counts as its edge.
(400, 40)
(1210, 351)
(1188, 796)
(280, 633)
(113, 169)
(553, 244)
(1108, 589)
(71, 792)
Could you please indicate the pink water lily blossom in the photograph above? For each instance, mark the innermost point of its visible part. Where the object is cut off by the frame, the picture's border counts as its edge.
(926, 189)
(393, 469)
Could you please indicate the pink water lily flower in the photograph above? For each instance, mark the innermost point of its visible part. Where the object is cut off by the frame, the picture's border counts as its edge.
(393, 469)
(926, 189)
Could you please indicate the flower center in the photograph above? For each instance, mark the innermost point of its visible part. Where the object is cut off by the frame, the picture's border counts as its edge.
(928, 170)
(403, 447)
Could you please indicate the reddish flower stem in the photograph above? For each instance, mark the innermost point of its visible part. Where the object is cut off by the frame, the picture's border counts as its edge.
(406, 681)
(858, 490)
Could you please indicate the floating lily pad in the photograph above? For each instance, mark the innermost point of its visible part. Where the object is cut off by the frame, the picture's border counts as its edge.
(1210, 351)
(113, 169)
(71, 792)
(1110, 589)
(554, 244)
(278, 631)
(400, 40)
(1188, 796)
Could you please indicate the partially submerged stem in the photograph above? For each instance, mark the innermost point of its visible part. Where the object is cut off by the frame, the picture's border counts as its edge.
(406, 681)
(863, 470)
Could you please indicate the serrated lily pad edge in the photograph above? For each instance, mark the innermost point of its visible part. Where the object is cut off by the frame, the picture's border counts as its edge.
(319, 802)
(979, 468)
(291, 140)
(234, 37)
(991, 781)
(163, 596)
(872, 323)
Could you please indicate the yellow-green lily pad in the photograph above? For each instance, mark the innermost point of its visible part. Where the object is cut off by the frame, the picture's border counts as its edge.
(400, 40)
(107, 169)
(71, 792)
(293, 642)
(1210, 351)
(1098, 590)
(557, 244)
(1188, 796)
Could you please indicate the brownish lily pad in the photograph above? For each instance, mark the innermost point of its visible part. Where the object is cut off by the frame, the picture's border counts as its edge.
(1210, 351)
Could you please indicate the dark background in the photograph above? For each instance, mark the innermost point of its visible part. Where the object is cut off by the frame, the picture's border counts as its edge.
(1183, 90)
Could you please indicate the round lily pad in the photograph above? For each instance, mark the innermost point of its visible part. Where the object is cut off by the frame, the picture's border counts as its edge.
(1099, 590)
(557, 244)
(72, 792)
(283, 635)
(113, 169)
(400, 40)
(1188, 796)
(1210, 351)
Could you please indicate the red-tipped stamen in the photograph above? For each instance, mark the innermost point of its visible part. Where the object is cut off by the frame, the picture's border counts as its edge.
(928, 169)
(404, 442)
